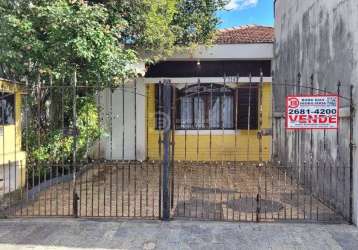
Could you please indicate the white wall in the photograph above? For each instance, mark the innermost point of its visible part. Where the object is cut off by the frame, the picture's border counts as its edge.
(320, 38)
(8, 172)
(124, 123)
(257, 51)
(181, 81)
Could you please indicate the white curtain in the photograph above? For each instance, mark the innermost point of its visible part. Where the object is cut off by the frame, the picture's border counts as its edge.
(186, 108)
(7, 109)
(228, 111)
(214, 113)
(199, 112)
(220, 111)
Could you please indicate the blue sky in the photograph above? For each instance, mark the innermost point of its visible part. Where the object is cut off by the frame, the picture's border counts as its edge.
(243, 12)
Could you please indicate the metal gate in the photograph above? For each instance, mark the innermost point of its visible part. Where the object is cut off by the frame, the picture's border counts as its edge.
(73, 166)
(307, 177)
(212, 151)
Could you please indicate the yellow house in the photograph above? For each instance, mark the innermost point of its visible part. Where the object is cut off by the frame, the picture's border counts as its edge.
(12, 159)
(219, 129)
(218, 92)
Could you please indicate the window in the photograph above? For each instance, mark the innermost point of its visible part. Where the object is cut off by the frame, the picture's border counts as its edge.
(248, 97)
(160, 119)
(212, 106)
(7, 108)
(206, 106)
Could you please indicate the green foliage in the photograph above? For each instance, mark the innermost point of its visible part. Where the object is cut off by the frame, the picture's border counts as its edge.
(158, 37)
(157, 28)
(46, 41)
(55, 37)
(149, 29)
(196, 21)
(54, 146)
(101, 39)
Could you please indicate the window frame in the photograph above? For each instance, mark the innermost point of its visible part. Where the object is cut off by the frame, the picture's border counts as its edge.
(208, 97)
(7, 95)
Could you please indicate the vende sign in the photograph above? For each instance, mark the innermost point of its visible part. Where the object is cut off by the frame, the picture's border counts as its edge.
(312, 112)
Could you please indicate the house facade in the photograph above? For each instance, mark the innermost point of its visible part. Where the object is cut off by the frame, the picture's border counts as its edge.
(12, 158)
(216, 92)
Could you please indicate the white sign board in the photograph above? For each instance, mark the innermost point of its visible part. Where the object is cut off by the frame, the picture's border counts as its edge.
(312, 112)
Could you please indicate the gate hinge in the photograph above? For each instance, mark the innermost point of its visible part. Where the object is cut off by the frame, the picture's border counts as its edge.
(170, 143)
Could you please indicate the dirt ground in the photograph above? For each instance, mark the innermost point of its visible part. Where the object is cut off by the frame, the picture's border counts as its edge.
(209, 191)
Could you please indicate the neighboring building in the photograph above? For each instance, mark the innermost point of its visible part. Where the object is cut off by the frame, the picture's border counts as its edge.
(319, 40)
(10, 138)
(213, 91)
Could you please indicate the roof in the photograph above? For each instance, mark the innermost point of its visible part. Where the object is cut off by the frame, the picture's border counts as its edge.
(245, 34)
(9, 81)
(10, 84)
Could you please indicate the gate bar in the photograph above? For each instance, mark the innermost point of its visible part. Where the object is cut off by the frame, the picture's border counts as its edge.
(351, 148)
(74, 153)
(166, 149)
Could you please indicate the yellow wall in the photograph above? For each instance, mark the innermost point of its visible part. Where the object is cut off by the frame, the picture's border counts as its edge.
(240, 146)
(10, 140)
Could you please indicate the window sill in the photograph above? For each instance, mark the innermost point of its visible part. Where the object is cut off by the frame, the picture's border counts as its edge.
(214, 132)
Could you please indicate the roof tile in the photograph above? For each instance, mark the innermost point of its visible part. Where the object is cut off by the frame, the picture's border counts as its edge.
(245, 34)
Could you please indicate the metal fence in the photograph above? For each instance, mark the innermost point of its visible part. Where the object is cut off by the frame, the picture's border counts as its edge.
(66, 132)
(322, 160)
(213, 151)
(246, 192)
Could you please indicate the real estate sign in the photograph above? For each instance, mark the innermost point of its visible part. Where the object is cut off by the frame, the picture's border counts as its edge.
(312, 112)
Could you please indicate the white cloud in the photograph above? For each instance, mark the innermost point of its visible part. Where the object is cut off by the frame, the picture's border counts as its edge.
(241, 4)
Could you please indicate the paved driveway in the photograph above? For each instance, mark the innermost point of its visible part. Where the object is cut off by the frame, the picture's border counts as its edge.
(58, 234)
(201, 190)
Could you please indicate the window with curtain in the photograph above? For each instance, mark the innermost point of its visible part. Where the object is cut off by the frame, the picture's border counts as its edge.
(208, 106)
(7, 108)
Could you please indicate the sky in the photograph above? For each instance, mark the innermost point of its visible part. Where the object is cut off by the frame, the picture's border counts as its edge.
(241, 12)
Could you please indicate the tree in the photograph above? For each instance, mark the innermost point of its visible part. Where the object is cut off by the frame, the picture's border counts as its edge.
(157, 28)
(197, 21)
(56, 37)
(49, 41)
(101, 38)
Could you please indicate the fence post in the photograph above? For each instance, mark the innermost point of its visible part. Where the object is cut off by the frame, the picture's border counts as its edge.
(351, 148)
(75, 205)
(260, 164)
(174, 103)
(166, 149)
(296, 133)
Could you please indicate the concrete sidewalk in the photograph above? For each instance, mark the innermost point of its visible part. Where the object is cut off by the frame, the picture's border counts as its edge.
(60, 234)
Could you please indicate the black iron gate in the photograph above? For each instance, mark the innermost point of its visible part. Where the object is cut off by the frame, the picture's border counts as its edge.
(73, 165)
(213, 151)
(308, 178)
